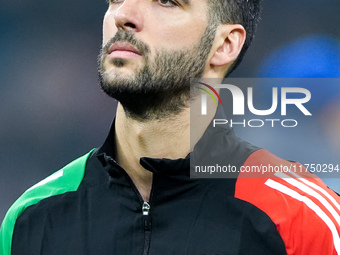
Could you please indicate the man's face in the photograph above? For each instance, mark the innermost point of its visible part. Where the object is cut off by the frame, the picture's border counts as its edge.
(151, 49)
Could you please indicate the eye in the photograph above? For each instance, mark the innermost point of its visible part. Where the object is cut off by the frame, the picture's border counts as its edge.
(167, 3)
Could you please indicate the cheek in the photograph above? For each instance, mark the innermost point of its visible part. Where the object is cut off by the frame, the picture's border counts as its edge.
(177, 39)
(109, 27)
(181, 32)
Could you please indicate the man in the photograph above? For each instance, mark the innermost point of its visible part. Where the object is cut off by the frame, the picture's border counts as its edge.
(134, 195)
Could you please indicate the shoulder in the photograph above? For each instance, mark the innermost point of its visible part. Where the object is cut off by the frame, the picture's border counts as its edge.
(65, 180)
(305, 211)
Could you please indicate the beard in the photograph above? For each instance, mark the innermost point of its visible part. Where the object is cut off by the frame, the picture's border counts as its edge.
(161, 88)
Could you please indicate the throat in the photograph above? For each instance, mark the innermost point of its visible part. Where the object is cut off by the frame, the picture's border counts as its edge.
(143, 185)
(168, 138)
(154, 139)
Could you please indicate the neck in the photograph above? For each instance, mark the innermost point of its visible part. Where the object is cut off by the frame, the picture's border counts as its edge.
(167, 138)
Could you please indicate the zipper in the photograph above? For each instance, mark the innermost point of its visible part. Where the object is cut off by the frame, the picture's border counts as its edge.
(145, 215)
(145, 209)
(147, 227)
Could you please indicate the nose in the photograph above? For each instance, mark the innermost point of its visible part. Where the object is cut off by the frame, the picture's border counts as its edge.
(129, 16)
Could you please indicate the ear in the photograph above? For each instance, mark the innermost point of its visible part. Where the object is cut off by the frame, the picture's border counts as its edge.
(228, 44)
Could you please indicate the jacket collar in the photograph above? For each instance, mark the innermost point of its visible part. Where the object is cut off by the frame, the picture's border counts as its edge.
(209, 148)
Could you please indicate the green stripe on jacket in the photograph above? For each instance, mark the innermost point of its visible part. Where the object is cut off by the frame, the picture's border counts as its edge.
(65, 180)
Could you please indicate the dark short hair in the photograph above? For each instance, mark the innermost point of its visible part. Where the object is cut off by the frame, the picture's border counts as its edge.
(244, 12)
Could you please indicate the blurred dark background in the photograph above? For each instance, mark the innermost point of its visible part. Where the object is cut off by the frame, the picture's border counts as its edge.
(53, 111)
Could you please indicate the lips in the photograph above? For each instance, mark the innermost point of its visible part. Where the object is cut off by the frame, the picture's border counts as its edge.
(123, 50)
